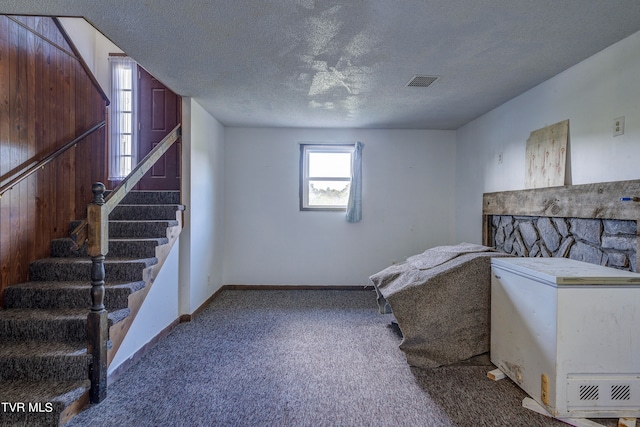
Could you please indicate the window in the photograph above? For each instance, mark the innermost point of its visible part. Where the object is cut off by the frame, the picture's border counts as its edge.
(325, 176)
(123, 121)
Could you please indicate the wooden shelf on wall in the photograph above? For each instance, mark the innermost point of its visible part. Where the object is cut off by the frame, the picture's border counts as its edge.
(599, 200)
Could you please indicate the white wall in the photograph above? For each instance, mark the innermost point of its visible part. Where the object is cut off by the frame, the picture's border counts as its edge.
(159, 310)
(590, 94)
(202, 238)
(94, 48)
(193, 271)
(408, 182)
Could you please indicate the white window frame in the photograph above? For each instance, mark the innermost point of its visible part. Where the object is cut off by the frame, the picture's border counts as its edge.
(123, 156)
(305, 150)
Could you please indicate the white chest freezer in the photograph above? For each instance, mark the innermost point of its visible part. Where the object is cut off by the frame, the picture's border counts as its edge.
(568, 333)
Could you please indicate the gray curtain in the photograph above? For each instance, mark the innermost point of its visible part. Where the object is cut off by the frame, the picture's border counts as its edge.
(354, 206)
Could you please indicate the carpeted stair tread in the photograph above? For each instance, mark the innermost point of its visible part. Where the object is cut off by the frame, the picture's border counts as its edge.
(42, 391)
(76, 284)
(159, 240)
(49, 325)
(51, 314)
(55, 396)
(150, 197)
(171, 222)
(61, 260)
(139, 228)
(70, 269)
(32, 360)
(145, 212)
(43, 349)
(118, 315)
(134, 228)
(26, 313)
(142, 247)
(75, 294)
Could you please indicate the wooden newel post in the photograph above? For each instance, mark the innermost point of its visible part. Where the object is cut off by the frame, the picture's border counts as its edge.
(97, 321)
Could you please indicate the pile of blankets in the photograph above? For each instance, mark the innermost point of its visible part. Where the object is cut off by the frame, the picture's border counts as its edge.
(441, 301)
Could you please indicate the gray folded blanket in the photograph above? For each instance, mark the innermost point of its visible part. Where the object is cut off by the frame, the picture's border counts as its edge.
(441, 301)
(441, 254)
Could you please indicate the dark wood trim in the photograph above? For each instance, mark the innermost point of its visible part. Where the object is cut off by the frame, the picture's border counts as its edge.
(190, 317)
(80, 59)
(43, 37)
(124, 366)
(27, 172)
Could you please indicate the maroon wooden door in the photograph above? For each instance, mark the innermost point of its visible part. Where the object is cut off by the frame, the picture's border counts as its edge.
(159, 113)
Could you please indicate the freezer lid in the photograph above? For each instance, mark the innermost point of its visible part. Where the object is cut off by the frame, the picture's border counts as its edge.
(565, 271)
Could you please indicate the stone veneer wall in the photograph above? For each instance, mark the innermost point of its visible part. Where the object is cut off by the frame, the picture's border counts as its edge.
(598, 241)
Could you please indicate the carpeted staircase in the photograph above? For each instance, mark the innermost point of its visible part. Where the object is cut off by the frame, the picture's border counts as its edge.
(43, 358)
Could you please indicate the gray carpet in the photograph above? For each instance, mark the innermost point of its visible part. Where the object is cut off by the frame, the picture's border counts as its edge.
(300, 358)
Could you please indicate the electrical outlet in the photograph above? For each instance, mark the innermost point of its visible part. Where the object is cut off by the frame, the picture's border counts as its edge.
(618, 126)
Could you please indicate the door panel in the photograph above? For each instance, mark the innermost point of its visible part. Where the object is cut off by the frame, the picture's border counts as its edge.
(159, 113)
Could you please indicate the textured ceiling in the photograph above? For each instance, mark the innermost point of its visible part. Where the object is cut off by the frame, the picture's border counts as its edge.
(346, 63)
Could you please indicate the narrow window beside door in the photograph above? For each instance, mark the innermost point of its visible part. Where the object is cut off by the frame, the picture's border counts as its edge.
(123, 123)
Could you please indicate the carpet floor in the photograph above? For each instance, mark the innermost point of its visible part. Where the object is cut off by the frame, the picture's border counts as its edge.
(301, 358)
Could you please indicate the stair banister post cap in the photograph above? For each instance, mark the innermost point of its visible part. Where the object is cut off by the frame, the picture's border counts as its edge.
(98, 190)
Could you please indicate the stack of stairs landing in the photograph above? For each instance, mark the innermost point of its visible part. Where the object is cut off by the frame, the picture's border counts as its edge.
(44, 366)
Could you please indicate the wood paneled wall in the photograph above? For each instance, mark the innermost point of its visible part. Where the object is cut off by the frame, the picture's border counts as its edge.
(47, 98)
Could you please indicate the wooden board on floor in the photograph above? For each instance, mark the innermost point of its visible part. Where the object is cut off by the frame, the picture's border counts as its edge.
(496, 375)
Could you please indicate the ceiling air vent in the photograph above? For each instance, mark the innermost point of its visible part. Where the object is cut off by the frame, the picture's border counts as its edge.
(422, 81)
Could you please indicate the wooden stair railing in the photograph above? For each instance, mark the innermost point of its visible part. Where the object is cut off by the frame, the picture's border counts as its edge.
(95, 232)
(28, 171)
